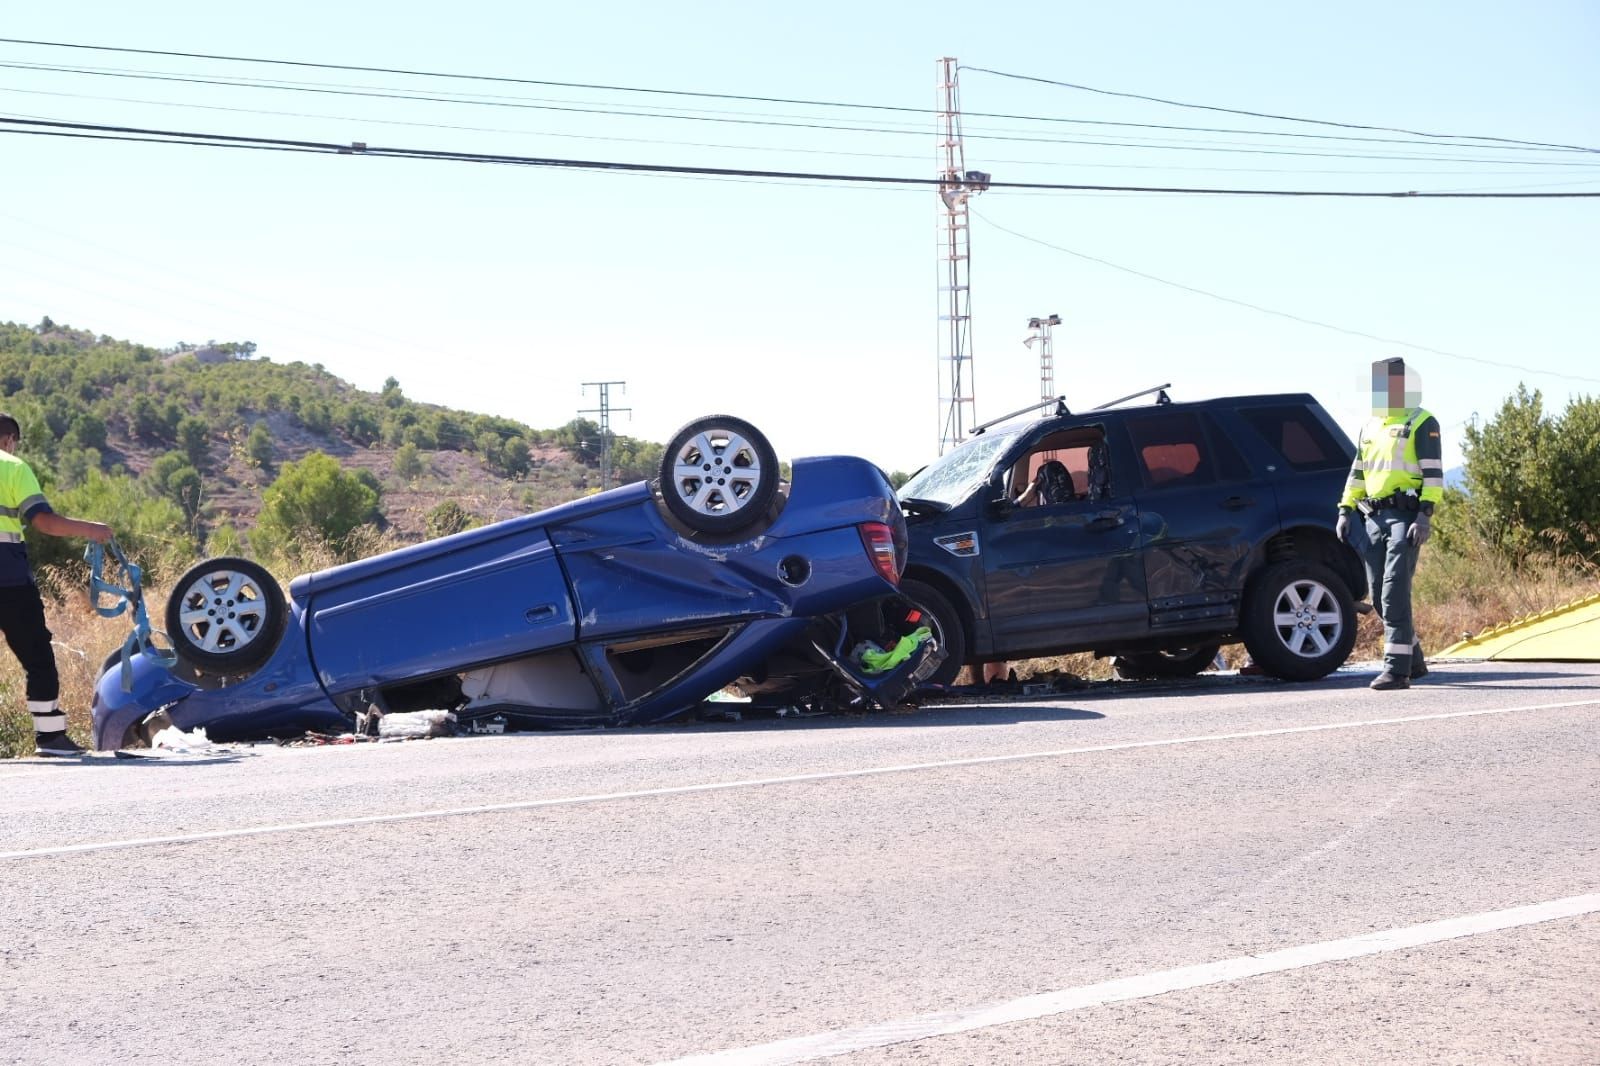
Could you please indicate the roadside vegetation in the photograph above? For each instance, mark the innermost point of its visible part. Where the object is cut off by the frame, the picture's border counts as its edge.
(208, 450)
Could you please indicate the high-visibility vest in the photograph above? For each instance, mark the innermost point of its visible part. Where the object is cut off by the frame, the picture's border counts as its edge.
(1386, 461)
(19, 493)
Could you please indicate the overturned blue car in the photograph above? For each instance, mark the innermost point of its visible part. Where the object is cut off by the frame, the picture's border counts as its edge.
(627, 607)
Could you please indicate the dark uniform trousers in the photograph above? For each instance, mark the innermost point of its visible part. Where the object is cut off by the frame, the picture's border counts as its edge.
(22, 621)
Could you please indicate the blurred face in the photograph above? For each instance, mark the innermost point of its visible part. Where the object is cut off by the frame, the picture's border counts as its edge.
(1395, 388)
(8, 444)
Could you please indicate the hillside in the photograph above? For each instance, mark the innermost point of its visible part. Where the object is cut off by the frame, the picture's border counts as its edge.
(208, 428)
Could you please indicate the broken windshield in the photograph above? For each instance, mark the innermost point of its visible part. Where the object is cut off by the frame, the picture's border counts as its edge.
(953, 476)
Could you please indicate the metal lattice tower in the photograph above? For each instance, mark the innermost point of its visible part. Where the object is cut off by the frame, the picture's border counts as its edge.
(1047, 360)
(605, 411)
(957, 404)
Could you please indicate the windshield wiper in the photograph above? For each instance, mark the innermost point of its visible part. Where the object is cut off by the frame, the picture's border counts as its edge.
(915, 503)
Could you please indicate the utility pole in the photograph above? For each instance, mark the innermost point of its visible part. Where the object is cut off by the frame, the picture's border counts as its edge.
(1047, 365)
(605, 411)
(957, 403)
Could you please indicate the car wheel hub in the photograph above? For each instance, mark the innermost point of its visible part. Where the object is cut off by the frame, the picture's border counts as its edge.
(223, 611)
(1307, 618)
(716, 472)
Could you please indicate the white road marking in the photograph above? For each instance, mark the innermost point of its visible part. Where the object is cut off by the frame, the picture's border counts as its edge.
(1044, 1004)
(754, 782)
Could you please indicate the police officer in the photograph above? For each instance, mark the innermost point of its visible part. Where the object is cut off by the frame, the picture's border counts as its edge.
(21, 610)
(1395, 482)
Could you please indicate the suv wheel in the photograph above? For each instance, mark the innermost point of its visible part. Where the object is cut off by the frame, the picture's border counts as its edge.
(1173, 662)
(945, 622)
(1299, 621)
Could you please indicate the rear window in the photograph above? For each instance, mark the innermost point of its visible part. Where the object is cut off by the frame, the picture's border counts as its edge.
(1297, 435)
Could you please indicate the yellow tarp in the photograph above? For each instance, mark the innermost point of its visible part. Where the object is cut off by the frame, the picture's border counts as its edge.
(1570, 633)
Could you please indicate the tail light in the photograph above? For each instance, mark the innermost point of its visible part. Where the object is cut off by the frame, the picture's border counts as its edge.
(878, 539)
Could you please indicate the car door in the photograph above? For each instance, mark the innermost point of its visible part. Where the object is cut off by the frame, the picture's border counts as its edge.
(443, 606)
(1200, 512)
(1064, 573)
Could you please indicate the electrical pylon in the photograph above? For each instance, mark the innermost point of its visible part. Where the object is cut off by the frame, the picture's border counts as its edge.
(605, 411)
(957, 184)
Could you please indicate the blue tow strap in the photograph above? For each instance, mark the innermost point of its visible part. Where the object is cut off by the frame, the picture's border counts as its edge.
(139, 640)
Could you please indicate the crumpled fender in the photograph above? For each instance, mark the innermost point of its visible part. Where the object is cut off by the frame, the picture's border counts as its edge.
(115, 709)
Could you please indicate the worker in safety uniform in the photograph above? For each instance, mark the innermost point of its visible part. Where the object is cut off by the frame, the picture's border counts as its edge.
(21, 610)
(1395, 482)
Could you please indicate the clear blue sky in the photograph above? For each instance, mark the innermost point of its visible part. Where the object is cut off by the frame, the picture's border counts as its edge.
(810, 308)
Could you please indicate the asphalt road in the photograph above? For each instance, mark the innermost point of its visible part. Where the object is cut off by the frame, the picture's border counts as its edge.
(1227, 870)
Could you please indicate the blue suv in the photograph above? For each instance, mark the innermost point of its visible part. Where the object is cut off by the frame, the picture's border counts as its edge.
(1153, 533)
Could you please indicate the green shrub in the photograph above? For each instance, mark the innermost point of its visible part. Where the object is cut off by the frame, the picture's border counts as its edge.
(314, 497)
(258, 446)
(407, 461)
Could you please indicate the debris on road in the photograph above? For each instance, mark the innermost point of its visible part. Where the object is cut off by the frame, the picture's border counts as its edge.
(176, 740)
(409, 725)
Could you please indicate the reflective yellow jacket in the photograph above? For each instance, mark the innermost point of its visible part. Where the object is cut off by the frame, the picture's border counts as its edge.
(1397, 453)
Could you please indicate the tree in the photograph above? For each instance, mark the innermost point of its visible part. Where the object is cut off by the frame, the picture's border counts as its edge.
(514, 457)
(194, 439)
(1533, 478)
(315, 497)
(391, 395)
(90, 430)
(145, 418)
(407, 461)
(186, 490)
(1575, 458)
(258, 446)
(161, 471)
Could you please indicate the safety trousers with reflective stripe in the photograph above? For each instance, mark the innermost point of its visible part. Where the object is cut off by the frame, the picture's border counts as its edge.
(22, 622)
(1391, 561)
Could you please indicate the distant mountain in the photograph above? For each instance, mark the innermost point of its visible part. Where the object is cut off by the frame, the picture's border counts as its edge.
(1456, 478)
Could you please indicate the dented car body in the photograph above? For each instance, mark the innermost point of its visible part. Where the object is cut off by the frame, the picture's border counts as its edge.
(620, 608)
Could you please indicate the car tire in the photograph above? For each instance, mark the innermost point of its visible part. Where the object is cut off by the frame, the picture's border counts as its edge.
(1176, 662)
(945, 622)
(1299, 621)
(719, 475)
(226, 616)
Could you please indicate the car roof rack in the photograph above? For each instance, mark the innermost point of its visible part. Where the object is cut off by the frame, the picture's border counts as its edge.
(1059, 401)
(1160, 390)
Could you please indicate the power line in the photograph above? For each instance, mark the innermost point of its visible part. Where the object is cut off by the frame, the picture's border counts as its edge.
(155, 136)
(1527, 145)
(724, 118)
(745, 120)
(748, 147)
(1285, 314)
(1281, 118)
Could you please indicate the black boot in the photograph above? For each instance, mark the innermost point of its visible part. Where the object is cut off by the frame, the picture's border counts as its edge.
(58, 745)
(1389, 680)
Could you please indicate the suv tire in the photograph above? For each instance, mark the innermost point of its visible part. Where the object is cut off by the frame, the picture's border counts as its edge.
(1299, 620)
(945, 621)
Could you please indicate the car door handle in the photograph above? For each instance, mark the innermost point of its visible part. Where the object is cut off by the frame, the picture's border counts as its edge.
(540, 613)
(1106, 520)
(1238, 503)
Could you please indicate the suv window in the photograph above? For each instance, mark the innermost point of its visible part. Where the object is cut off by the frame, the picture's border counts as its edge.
(1297, 435)
(1081, 451)
(1172, 449)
